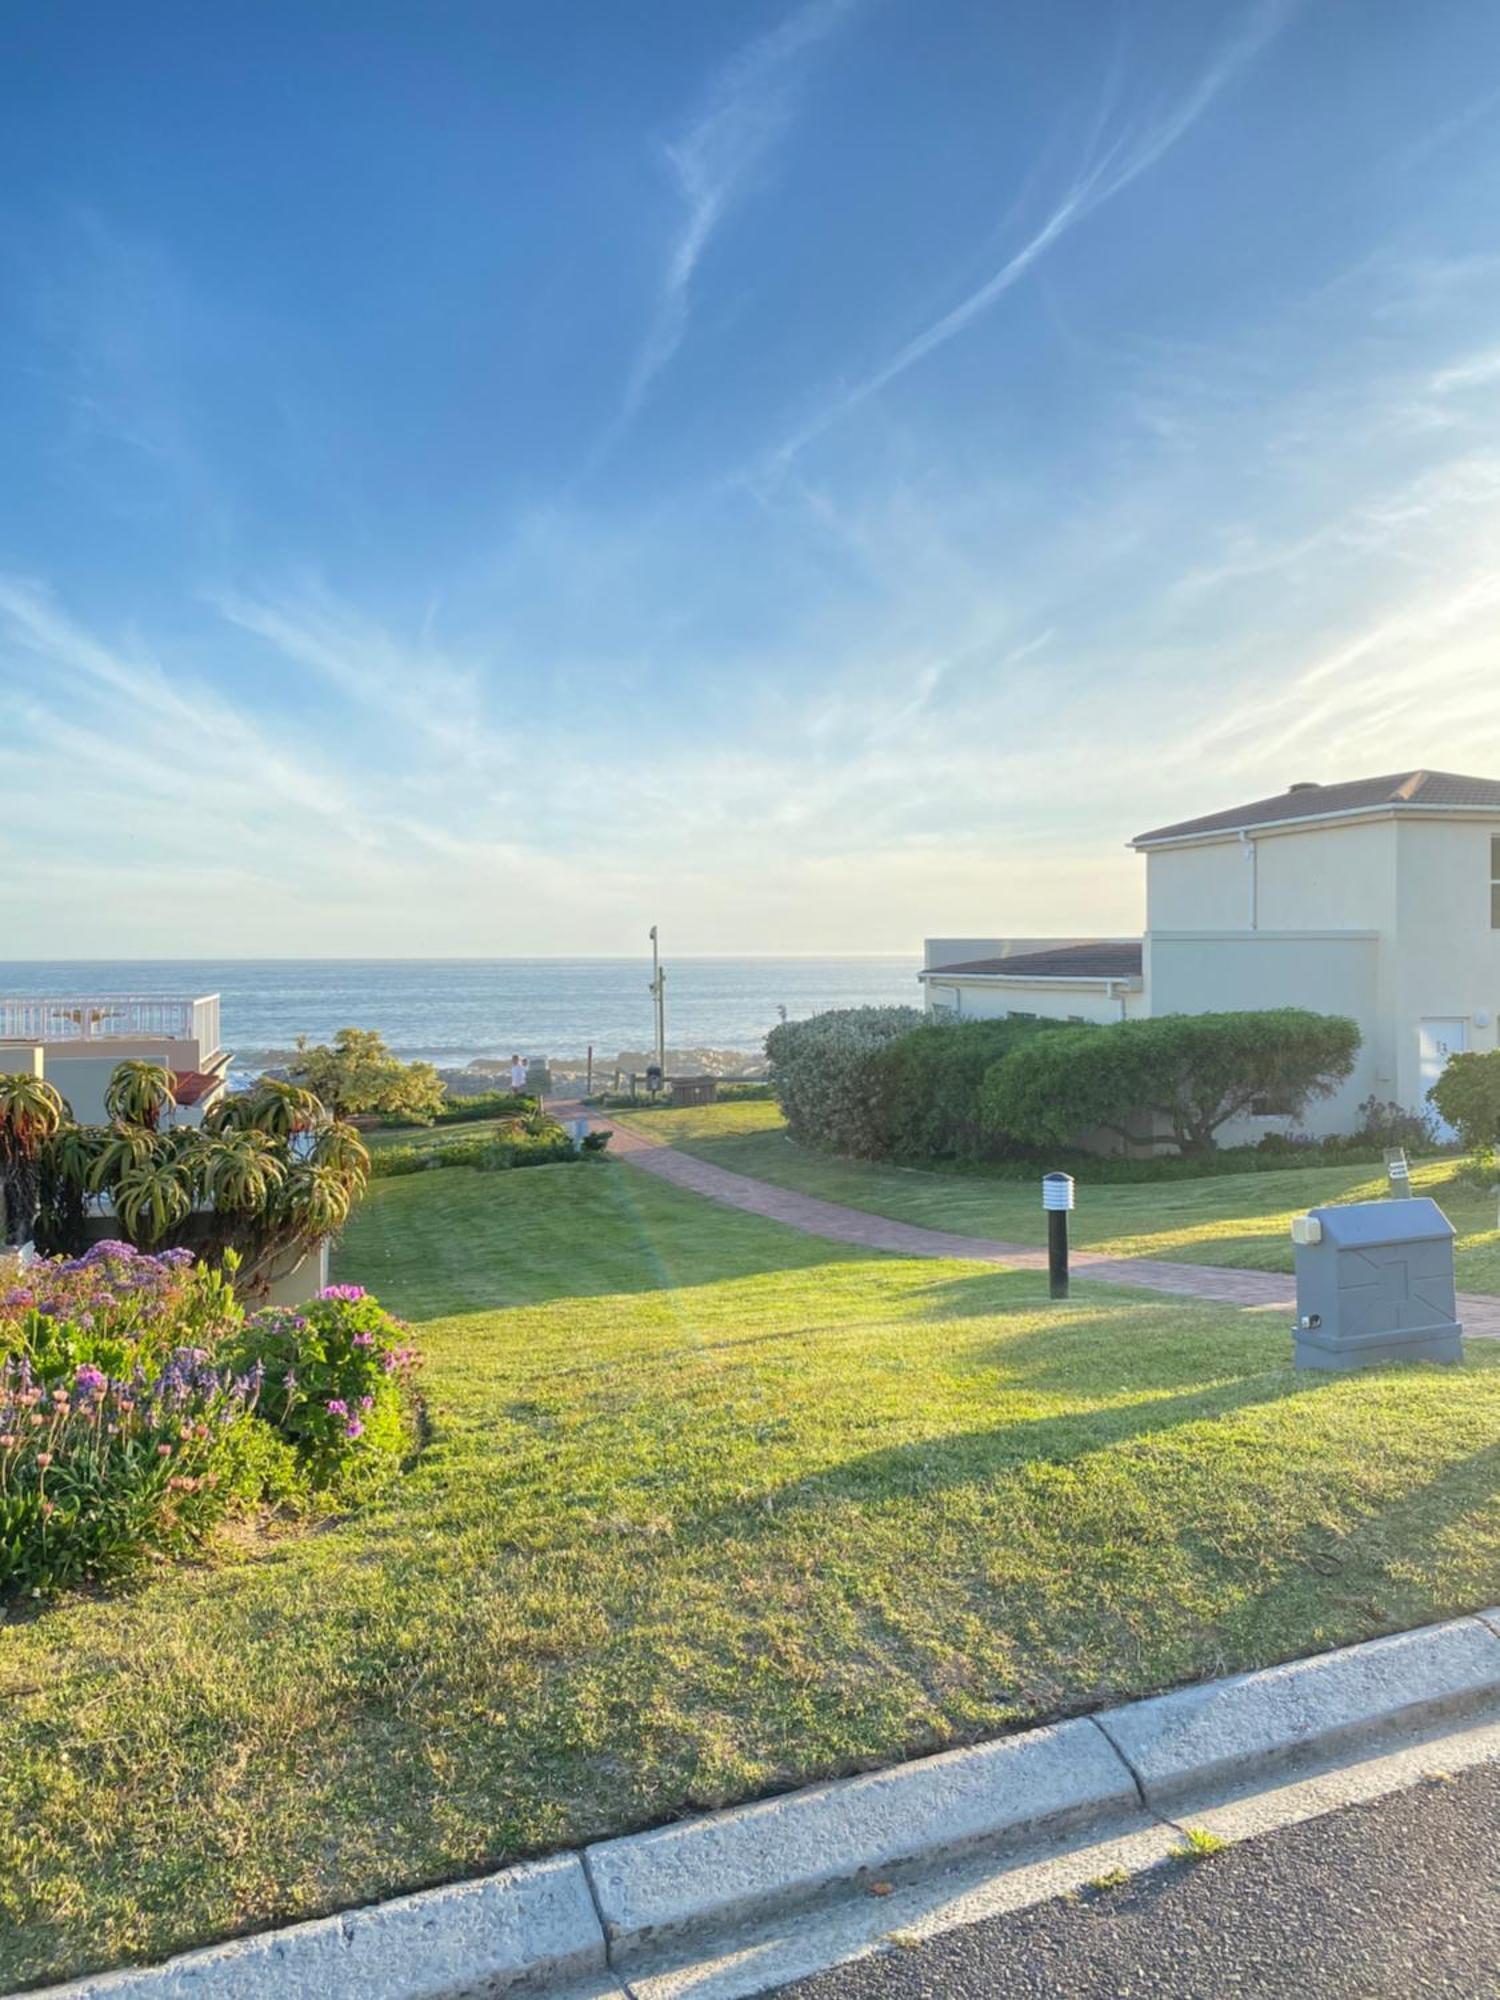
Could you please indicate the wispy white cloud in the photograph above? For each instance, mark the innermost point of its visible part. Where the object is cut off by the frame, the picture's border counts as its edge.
(746, 110)
(1104, 175)
(414, 686)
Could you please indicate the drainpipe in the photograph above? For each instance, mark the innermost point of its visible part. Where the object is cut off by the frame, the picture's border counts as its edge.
(1253, 898)
(1112, 990)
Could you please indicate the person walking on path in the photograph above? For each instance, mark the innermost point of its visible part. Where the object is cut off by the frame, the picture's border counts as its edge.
(517, 1075)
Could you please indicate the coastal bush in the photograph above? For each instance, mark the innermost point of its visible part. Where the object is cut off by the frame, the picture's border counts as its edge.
(356, 1072)
(335, 1380)
(927, 1083)
(1192, 1072)
(825, 1077)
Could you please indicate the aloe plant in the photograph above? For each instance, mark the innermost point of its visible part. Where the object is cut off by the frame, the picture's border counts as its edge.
(240, 1171)
(152, 1198)
(140, 1093)
(339, 1146)
(30, 1112)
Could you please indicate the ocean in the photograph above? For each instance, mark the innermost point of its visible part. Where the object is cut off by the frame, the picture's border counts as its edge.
(455, 1011)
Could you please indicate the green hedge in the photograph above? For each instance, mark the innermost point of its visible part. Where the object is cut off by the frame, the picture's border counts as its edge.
(927, 1084)
(467, 1110)
(519, 1149)
(1190, 1073)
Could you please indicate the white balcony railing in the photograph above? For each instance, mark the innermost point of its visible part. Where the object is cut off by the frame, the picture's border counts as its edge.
(94, 1018)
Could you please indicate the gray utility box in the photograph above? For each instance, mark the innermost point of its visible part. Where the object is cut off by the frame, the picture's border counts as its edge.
(1375, 1283)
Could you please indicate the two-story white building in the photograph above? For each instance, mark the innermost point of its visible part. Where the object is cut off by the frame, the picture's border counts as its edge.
(1379, 899)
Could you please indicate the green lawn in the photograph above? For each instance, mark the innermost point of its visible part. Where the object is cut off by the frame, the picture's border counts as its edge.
(434, 1135)
(710, 1507)
(1235, 1219)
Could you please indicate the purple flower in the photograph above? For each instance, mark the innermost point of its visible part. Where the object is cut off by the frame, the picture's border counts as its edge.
(337, 1407)
(351, 1294)
(364, 1340)
(367, 1402)
(354, 1428)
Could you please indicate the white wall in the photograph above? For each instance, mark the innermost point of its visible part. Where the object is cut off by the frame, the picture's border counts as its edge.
(988, 1000)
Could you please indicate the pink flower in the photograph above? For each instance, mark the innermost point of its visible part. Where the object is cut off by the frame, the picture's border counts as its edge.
(337, 1407)
(44, 1458)
(354, 1428)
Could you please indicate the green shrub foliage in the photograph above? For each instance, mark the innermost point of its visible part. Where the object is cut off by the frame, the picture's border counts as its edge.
(927, 1086)
(1467, 1096)
(334, 1380)
(356, 1072)
(825, 1075)
(1194, 1072)
(528, 1142)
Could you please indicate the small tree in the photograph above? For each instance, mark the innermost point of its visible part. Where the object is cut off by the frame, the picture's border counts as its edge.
(1195, 1071)
(357, 1073)
(1467, 1096)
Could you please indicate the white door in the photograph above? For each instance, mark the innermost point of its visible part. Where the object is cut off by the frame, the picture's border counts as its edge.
(1440, 1040)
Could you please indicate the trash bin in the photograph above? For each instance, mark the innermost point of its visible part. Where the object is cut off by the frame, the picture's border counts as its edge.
(1375, 1283)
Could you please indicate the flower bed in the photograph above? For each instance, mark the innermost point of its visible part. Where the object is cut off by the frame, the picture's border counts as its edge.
(139, 1405)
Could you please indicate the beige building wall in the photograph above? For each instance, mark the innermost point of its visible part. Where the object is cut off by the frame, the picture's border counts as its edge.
(1448, 964)
(1332, 972)
(1201, 887)
(21, 1059)
(1337, 877)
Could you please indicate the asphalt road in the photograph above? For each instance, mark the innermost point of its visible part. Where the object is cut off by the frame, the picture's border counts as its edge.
(1379, 1901)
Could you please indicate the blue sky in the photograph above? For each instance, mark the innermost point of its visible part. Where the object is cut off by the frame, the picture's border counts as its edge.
(479, 478)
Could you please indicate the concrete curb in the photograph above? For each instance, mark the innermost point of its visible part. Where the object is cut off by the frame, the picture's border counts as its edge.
(563, 1922)
(728, 1865)
(528, 1925)
(1252, 1724)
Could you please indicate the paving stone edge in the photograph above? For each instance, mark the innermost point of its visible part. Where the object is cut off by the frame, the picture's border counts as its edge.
(563, 1923)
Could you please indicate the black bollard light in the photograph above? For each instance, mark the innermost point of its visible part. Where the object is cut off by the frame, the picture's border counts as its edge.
(1057, 1199)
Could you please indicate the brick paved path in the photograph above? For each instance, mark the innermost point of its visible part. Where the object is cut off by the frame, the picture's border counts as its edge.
(1259, 1290)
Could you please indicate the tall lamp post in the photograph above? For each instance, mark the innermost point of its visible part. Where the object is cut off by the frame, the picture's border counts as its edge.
(659, 1001)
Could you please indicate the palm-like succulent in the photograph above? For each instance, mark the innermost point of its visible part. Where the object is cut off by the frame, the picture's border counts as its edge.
(275, 1108)
(240, 1171)
(121, 1151)
(152, 1198)
(315, 1201)
(30, 1111)
(340, 1147)
(140, 1093)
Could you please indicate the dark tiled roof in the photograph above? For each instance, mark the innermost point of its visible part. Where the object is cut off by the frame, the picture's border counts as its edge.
(1104, 960)
(1415, 791)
